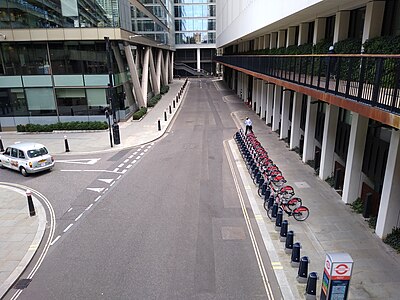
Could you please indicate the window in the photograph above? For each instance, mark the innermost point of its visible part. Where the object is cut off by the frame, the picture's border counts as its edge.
(7, 152)
(37, 152)
(71, 102)
(21, 154)
(14, 152)
(40, 101)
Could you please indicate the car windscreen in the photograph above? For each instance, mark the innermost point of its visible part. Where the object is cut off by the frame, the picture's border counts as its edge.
(37, 152)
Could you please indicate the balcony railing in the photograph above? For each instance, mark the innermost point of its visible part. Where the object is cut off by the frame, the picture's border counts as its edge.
(371, 79)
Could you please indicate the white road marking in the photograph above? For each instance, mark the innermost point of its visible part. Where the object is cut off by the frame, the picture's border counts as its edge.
(124, 171)
(99, 190)
(145, 150)
(148, 147)
(119, 177)
(109, 180)
(112, 183)
(152, 144)
(105, 190)
(68, 227)
(134, 153)
(116, 170)
(133, 161)
(126, 160)
(78, 217)
(141, 154)
(55, 240)
(141, 147)
(130, 156)
(138, 157)
(129, 166)
(97, 199)
(83, 161)
(90, 205)
(120, 165)
(102, 171)
(69, 209)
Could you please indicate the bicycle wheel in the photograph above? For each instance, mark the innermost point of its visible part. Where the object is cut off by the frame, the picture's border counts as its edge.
(294, 203)
(301, 213)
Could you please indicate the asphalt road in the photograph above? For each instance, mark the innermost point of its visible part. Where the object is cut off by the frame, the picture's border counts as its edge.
(170, 226)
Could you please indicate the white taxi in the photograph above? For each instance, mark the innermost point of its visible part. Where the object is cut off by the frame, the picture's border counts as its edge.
(27, 158)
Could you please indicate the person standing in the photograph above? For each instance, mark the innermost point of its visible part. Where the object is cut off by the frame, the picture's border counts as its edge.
(249, 125)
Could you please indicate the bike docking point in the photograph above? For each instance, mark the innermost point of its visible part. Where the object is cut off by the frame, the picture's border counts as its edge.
(303, 270)
(278, 220)
(284, 230)
(295, 257)
(289, 242)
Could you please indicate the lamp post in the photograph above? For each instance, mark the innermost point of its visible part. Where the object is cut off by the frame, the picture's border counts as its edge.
(111, 94)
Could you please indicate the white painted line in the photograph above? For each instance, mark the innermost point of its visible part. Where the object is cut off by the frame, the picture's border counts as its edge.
(97, 199)
(99, 190)
(141, 147)
(126, 160)
(112, 183)
(108, 180)
(69, 209)
(138, 157)
(119, 177)
(124, 171)
(134, 153)
(152, 144)
(129, 166)
(68, 227)
(90, 205)
(105, 190)
(141, 154)
(71, 170)
(120, 165)
(145, 150)
(148, 147)
(55, 240)
(116, 170)
(130, 156)
(133, 161)
(78, 217)
(102, 171)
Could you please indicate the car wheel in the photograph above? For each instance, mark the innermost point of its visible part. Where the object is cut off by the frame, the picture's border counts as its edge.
(23, 171)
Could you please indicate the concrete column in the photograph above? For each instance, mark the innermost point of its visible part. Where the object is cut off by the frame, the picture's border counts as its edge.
(303, 33)
(255, 95)
(281, 39)
(245, 87)
(255, 44)
(277, 108)
(145, 73)
(166, 67)
(273, 40)
(263, 99)
(355, 155)
(171, 68)
(309, 131)
(267, 39)
(198, 59)
(296, 116)
(285, 114)
(291, 36)
(270, 101)
(319, 30)
(134, 75)
(261, 43)
(158, 67)
(240, 88)
(374, 13)
(389, 208)
(341, 26)
(260, 83)
(328, 142)
(153, 76)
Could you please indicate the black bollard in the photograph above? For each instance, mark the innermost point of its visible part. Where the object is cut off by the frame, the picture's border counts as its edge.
(159, 124)
(170, 110)
(177, 99)
(295, 258)
(311, 288)
(274, 212)
(165, 116)
(173, 103)
(31, 207)
(66, 144)
(289, 242)
(283, 233)
(1, 145)
(303, 270)
(278, 221)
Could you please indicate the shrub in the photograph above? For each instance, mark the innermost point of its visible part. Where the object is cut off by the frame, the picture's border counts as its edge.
(330, 181)
(357, 206)
(372, 222)
(153, 101)
(96, 125)
(393, 239)
(140, 113)
(164, 89)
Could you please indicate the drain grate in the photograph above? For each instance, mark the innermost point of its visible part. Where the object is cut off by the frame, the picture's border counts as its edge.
(22, 284)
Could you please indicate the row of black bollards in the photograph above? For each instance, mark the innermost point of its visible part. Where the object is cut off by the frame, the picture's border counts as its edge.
(175, 101)
(286, 236)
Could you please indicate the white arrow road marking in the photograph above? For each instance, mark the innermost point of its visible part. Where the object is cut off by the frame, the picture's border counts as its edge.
(99, 190)
(83, 161)
(106, 180)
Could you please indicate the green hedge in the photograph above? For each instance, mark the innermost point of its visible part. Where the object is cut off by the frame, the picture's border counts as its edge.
(393, 239)
(96, 125)
(153, 101)
(140, 113)
(164, 89)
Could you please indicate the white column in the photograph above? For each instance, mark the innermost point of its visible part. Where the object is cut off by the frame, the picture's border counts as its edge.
(240, 85)
(198, 60)
(245, 87)
(319, 29)
(374, 13)
(296, 117)
(263, 99)
(303, 33)
(270, 101)
(281, 39)
(328, 142)
(259, 96)
(145, 73)
(291, 36)
(285, 114)
(153, 76)
(341, 26)
(355, 155)
(134, 76)
(389, 208)
(309, 131)
(273, 40)
(171, 67)
(158, 67)
(261, 43)
(254, 95)
(277, 108)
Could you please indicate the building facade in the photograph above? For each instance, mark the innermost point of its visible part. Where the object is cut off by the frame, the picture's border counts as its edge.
(54, 61)
(340, 112)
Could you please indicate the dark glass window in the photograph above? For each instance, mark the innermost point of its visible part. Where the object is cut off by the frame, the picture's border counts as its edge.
(71, 102)
(330, 27)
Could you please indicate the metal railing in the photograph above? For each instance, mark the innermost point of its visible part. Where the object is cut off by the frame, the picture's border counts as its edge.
(193, 71)
(371, 79)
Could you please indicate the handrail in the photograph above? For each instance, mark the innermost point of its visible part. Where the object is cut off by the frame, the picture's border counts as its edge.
(316, 55)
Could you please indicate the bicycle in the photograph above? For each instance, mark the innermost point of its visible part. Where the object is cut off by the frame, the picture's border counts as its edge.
(292, 207)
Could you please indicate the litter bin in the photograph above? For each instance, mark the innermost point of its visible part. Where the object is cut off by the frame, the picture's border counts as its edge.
(115, 129)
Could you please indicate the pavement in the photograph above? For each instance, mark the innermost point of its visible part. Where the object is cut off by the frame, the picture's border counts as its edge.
(331, 227)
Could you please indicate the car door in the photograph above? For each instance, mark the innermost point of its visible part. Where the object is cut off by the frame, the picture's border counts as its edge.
(14, 164)
(6, 157)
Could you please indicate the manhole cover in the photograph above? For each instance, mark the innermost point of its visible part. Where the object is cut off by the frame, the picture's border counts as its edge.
(22, 283)
(302, 185)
